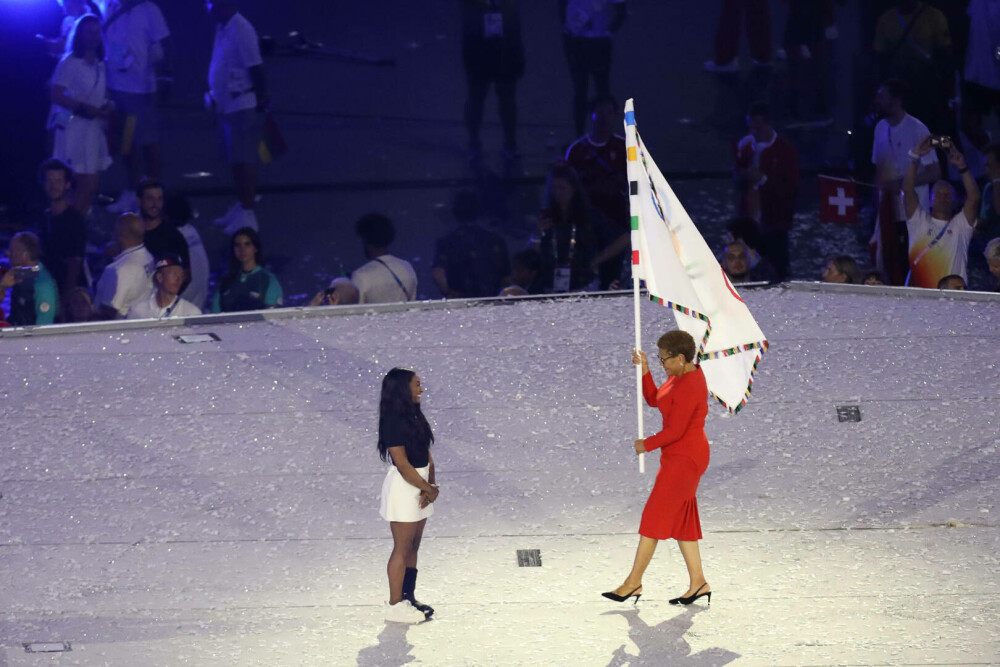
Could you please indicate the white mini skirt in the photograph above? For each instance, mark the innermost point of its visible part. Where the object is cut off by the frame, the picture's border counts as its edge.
(400, 500)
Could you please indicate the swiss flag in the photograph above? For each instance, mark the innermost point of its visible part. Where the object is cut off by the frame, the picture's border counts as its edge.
(838, 200)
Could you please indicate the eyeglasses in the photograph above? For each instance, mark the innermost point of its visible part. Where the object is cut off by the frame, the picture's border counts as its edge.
(664, 360)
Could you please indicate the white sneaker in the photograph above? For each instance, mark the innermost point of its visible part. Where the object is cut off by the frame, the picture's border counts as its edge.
(243, 218)
(403, 612)
(127, 202)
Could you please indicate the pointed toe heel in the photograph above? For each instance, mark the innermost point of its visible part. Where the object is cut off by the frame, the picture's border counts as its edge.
(611, 595)
(691, 598)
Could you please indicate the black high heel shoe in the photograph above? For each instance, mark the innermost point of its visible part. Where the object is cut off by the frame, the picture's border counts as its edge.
(611, 595)
(692, 598)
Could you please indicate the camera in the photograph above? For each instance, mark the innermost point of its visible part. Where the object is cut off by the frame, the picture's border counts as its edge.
(940, 141)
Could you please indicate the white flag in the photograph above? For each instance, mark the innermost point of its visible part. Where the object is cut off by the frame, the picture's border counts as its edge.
(680, 272)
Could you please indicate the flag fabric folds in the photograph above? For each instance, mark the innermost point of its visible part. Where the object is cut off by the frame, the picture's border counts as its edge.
(838, 200)
(681, 272)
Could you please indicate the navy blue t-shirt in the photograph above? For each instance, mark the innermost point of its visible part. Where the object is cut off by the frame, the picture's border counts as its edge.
(398, 430)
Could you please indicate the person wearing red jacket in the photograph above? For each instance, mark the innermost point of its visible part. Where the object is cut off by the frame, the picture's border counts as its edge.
(767, 173)
(672, 509)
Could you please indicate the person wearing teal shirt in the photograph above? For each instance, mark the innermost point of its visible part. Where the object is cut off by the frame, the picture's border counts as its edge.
(247, 285)
(35, 298)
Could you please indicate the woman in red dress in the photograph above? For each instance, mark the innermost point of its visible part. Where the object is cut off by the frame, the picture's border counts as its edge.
(672, 509)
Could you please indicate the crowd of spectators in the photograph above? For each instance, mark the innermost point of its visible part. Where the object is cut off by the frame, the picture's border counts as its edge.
(114, 65)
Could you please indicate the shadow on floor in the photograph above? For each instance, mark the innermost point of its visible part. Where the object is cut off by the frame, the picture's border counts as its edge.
(392, 649)
(664, 644)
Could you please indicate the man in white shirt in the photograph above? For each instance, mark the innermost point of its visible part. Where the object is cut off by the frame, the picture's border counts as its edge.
(238, 93)
(165, 301)
(895, 135)
(587, 29)
(385, 279)
(128, 278)
(137, 41)
(939, 242)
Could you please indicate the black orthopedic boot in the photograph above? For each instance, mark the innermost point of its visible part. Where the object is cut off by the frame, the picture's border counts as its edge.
(409, 584)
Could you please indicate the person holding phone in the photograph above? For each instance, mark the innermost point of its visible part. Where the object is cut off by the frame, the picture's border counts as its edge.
(409, 491)
(672, 509)
(34, 297)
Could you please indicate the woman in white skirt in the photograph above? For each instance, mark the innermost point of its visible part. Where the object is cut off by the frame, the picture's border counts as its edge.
(409, 491)
(80, 110)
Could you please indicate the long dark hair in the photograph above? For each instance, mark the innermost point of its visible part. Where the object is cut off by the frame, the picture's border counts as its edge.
(579, 207)
(398, 399)
(235, 268)
(74, 47)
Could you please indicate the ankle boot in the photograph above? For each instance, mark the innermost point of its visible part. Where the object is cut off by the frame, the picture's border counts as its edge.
(409, 584)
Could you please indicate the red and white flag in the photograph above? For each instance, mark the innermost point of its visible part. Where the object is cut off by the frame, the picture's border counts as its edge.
(838, 200)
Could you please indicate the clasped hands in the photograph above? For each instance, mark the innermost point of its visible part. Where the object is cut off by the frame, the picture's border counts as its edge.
(427, 497)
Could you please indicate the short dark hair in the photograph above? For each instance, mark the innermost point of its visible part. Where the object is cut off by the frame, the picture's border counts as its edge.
(896, 89)
(375, 230)
(30, 243)
(678, 342)
(760, 109)
(877, 275)
(465, 208)
(148, 184)
(953, 276)
(55, 164)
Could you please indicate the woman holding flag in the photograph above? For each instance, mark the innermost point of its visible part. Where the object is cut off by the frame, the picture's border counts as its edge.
(672, 509)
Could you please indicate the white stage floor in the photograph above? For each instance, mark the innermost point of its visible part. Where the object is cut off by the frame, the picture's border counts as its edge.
(216, 503)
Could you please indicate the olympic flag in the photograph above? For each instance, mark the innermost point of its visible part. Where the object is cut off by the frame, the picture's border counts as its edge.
(680, 272)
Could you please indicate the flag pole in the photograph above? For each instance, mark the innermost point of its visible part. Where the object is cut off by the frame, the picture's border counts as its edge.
(632, 148)
(638, 369)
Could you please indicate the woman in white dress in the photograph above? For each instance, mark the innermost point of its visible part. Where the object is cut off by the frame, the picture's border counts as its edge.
(80, 109)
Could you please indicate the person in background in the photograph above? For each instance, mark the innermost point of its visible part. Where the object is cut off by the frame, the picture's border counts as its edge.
(177, 210)
(385, 278)
(72, 10)
(939, 241)
(587, 29)
(64, 230)
(34, 298)
(139, 66)
(992, 254)
(757, 15)
(981, 82)
(525, 267)
(238, 96)
(492, 55)
(341, 292)
(161, 237)
(913, 45)
(896, 134)
(80, 109)
(873, 278)
(767, 174)
(78, 306)
(740, 267)
(165, 301)
(128, 278)
(842, 269)
(469, 261)
(572, 239)
(247, 285)
(952, 282)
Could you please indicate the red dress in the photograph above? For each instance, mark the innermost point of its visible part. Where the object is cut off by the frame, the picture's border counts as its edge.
(672, 510)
